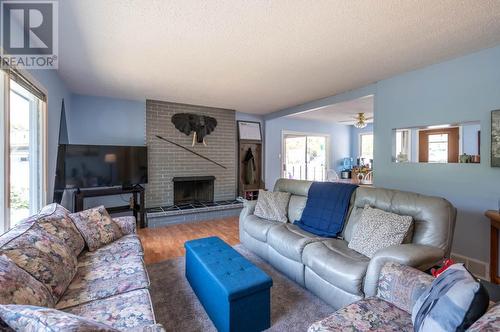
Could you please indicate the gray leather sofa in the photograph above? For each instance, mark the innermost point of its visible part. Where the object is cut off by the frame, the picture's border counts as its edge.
(326, 266)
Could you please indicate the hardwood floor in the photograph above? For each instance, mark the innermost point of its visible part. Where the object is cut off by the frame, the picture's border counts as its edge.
(168, 242)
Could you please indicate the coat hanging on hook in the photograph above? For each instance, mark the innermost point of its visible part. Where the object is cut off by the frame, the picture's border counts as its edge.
(249, 162)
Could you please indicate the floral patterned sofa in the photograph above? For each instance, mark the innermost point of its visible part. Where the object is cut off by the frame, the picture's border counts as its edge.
(108, 285)
(399, 287)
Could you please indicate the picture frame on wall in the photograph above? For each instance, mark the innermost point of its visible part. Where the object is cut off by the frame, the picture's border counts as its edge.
(249, 130)
(495, 138)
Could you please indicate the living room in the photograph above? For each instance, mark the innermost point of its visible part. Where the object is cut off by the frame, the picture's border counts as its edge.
(247, 166)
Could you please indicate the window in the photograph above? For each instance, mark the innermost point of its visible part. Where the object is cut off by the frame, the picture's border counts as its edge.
(305, 156)
(438, 148)
(402, 145)
(366, 146)
(23, 144)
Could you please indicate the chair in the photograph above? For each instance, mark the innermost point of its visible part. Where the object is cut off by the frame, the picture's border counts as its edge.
(332, 176)
(368, 177)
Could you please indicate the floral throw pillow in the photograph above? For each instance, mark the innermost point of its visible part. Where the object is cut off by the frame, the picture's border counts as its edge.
(272, 205)
(31, 318)
(18, 287)
(97, 227)
(43, 256)
(54, 219)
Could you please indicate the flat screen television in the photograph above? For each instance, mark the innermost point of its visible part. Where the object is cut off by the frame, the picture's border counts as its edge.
(89, 166)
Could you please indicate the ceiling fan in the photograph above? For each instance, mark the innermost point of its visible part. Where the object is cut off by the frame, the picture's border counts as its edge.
(361, 120)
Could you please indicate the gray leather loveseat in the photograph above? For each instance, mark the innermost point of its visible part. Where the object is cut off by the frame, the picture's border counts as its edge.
(326, 266)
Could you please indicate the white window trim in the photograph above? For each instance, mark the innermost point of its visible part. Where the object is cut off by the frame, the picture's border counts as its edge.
(5, 143)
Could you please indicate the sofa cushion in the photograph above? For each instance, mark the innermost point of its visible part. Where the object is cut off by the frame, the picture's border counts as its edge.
(55, 219)
(378, 229)
(97, 227)
(19, 287)
(258, 227)
(272, 205)
(333, 261)
(289, 240)
(454, 301)
(44, 256)
(127, 311)
(126, 246)
(370, 314)
(104, 279)
(31, 318)
(434, 217)
(490, 321)
(296, 207)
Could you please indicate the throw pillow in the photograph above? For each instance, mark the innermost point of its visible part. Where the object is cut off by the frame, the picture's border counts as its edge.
(19, 287)
(31, 318)
(44, 256)
(96, 226)
(55, 219)
(453, 302)
(272, 205)
(379, 229)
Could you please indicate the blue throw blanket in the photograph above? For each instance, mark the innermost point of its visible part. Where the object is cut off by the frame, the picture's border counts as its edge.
(326, 208)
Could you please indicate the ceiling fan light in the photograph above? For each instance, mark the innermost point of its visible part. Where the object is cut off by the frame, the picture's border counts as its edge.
(360, 124)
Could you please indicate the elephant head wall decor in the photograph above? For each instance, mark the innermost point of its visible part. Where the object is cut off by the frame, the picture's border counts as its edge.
(199, 125)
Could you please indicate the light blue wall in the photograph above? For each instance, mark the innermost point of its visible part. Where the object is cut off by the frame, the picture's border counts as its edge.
(107, 121)
(459, 90)
(463, 89)
(355, 139)
(340, 137)
(55, 90)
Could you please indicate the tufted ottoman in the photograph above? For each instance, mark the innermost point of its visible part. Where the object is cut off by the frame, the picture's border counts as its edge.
(234, 292)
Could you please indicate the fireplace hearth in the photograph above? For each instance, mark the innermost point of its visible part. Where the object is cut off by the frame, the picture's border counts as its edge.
(193, 189)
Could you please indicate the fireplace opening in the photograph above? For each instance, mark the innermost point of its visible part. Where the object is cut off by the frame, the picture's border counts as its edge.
(193, 189)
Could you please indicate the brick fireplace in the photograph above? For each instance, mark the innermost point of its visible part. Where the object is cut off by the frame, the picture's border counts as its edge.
(170, 165)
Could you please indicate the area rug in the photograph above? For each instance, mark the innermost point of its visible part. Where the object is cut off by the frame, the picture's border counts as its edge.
(177, 308)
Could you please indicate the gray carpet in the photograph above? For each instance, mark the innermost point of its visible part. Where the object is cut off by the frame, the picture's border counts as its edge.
(293, 308)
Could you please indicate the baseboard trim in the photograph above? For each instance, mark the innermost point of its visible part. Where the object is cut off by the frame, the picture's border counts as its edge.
(479, 268)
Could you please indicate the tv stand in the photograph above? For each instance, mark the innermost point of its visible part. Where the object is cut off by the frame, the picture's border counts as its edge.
(138, 207)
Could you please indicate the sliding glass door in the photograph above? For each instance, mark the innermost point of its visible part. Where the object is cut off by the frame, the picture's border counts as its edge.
(305, 156)
(23, 145)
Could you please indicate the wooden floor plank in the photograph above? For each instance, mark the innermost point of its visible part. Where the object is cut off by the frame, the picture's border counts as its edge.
(168, 242)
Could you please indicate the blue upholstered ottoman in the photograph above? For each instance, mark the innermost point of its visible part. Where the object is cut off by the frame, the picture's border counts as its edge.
(234, 292)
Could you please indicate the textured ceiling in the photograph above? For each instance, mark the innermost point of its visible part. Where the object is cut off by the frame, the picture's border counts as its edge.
(260, 56)
(343, 113)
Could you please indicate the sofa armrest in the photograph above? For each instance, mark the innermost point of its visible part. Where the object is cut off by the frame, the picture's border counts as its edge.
(248, 209)
(402, 285)
(126, 224)
(416, 255)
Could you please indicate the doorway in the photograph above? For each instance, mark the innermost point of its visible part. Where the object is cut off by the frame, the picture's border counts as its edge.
(439, 145)
(305, 156)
